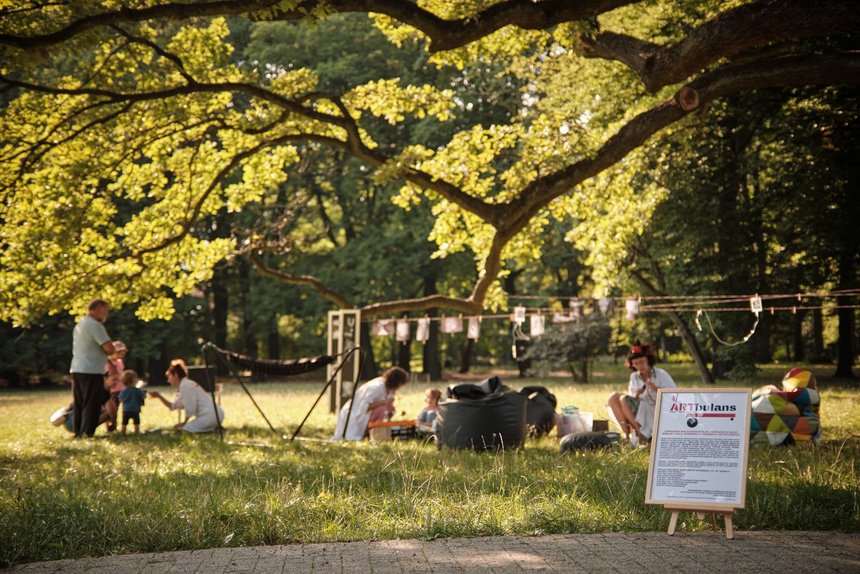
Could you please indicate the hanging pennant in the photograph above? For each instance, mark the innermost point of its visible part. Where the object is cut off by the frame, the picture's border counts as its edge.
(562, 318)
(519, 315)
(576, 309)
(422, 334)
(755, 305)
(536, 325)
(382, 328)
(631, 308)
(451, 325)
(474, 329)
(402, 330)
(605, 305)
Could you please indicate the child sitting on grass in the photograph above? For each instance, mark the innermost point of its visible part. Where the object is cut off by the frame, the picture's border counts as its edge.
(132, 398)
(426, 419)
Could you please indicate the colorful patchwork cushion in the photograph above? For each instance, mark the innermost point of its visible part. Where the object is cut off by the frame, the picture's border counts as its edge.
(788, 415)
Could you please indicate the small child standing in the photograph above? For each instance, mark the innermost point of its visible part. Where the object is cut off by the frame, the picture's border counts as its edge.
(132, 398)
(426, 419)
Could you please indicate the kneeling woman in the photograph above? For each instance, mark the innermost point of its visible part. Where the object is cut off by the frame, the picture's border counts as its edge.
(200, 409)
(373, 401)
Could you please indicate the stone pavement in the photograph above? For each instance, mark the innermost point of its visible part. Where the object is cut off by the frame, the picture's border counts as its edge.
(635, 553)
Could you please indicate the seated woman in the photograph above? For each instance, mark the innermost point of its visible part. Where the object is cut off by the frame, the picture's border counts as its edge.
(200, 409)
(372, 402)
(66, 415)
(635, 410)
(426, 419)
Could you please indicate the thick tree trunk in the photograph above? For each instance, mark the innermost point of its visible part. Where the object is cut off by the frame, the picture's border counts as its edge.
(404, 356)
(763, 351)
(274, 339)
(466, 355)
(156, 366)
(431, 361)
(799, 349)
(693, 347)
(845, 345)
(249, 338)
(818, 355)
(431, 358)
(369, 368)
(220, 309)
(847, 280)
(687, 334)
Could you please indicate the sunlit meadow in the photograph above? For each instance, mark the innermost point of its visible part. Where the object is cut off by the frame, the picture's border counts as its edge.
(163, 490)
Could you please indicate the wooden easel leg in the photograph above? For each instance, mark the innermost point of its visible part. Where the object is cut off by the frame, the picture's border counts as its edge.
(730, 532)
(673, 521)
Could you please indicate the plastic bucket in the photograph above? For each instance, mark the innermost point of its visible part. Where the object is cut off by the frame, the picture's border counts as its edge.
(577, 422)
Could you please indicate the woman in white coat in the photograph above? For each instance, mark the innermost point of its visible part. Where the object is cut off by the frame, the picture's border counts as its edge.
(372, 402)
(200, 410)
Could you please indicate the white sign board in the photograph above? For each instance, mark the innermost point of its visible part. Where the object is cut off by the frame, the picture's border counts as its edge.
(700, 449)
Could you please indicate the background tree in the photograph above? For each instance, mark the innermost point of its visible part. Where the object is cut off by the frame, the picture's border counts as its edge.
(572, 346)
(740, 212)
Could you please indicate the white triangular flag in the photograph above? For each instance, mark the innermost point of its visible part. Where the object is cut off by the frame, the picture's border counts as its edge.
(474, 328)
(382, 328)
(519, 315)
(536, 325)
(423, 332)
(604, 304)
(402, 330)
(451, 325)
(631, 306)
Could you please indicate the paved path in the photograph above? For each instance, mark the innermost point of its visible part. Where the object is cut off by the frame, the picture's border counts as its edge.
(699, 552)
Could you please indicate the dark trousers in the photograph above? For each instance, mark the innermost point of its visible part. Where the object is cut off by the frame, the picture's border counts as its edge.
(88, 392)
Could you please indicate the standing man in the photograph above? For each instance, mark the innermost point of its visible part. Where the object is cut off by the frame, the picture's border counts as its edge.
(91, 346)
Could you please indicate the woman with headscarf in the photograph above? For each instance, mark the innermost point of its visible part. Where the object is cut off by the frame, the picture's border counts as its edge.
(635, 410)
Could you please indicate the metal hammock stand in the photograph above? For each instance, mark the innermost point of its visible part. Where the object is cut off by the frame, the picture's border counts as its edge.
(234, 361)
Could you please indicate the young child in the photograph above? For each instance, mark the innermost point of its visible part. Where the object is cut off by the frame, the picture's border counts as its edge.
(114, 367)
(426, 419)
(132, 399)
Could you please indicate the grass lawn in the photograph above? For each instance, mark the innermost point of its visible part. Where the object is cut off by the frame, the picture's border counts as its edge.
(162, 490)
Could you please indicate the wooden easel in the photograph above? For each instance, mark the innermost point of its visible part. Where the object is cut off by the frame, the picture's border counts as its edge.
(716, 423)
(700, 513)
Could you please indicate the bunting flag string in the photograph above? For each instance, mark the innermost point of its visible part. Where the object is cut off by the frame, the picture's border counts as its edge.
(631, 307)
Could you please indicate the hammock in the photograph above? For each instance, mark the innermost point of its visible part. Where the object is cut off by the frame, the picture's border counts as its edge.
(236, 361)
(274, 367)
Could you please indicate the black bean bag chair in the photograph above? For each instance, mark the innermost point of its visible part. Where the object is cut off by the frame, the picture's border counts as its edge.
(540, 410)
(483, 416)
(580, 441)
(477, 390)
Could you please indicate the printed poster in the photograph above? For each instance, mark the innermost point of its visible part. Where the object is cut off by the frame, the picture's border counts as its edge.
(700, 449)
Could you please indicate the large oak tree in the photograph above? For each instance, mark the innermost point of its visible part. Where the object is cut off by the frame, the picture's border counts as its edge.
(127, 123)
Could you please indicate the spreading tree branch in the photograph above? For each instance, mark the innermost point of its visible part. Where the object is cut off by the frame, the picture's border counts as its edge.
(444, 34)
(325, 292)
(421, 304)
(168, 10)
(731, 79)
(758, 23)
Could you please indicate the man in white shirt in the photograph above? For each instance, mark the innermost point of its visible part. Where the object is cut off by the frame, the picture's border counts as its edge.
(91, 347)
